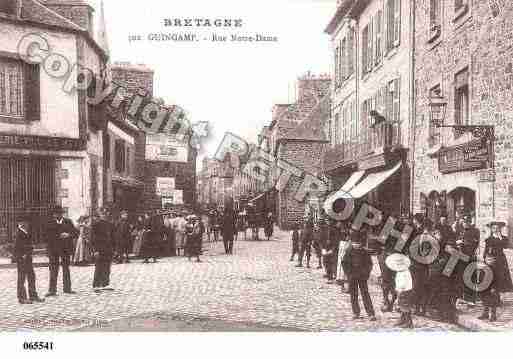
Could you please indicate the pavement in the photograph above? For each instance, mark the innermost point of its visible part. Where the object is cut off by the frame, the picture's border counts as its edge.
(255, 289)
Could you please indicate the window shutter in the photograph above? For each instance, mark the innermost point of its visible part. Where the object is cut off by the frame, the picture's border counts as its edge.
(336, 67)
(371, 47)
(351, 52)
(365, 44)
(32, 92)
(397, 100)
(397, 22)
(378, 27)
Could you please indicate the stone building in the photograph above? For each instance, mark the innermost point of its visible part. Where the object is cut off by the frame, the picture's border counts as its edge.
(463, 55)
(217, 178)
(372, 110)
(294, 137)
(50, 139)
(166, 164)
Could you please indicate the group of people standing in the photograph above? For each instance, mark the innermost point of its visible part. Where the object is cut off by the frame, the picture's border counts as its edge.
(101, 240)
(408, 285)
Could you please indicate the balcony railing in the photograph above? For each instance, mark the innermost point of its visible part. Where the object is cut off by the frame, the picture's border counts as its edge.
(371, 141)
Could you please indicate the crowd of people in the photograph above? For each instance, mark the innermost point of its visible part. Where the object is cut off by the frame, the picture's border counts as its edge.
(103, 239)
(408, 285)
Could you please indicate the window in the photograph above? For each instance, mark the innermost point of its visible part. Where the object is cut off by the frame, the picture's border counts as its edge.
(344, 60)
(350, 54)
(128, 159)
(459, 4)
(337, 129)
(461, 98)
(434, 14)
(106, 150)
(460, 8)
(434, 132)
(365, 54)
(378, 35)
(119, 152)
(336, 67)
(329, 131)
(11, 88)
(393, 19)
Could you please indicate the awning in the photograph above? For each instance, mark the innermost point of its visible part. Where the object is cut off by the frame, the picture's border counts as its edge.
(258, 197)
(372, 181)
(352, 181)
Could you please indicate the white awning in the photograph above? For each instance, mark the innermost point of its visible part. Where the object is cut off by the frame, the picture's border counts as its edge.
(352, 181)
(372, 181)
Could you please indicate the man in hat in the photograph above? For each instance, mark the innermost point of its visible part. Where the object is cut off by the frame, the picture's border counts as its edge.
(228, 228)
(60, 234)
(122, 237)
(358, 266)
(467, 242)
(23, 249)
(305, 242)
(103, 246)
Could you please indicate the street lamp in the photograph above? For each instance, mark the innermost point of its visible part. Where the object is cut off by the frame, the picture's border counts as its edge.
(437, 110)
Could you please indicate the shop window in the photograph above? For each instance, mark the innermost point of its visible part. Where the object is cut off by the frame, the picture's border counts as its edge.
(461, 99)
(119, 151)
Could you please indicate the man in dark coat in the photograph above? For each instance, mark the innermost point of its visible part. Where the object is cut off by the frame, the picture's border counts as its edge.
(358, 266)
(420, 271)
(23, 249)
(319, 239)
(122, 237)
(60, 234)
(305, 242)
(295, 241)
(228, 223)
(103, 247)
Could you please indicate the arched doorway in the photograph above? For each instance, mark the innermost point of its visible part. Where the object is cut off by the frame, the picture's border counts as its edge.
(460, 201)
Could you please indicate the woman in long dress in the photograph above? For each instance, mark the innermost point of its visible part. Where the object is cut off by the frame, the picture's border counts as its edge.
(82, 254)
(138, 231)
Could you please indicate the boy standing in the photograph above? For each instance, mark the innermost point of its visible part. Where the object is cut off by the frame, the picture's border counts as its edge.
(23, 250)
(358, 266)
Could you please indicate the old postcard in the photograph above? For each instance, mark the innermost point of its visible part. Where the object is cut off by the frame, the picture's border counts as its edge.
(255, 166)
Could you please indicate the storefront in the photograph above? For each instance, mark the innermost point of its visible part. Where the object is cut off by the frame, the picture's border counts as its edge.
(461, 182)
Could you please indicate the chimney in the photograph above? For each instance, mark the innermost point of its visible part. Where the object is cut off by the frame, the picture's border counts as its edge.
(77, 11)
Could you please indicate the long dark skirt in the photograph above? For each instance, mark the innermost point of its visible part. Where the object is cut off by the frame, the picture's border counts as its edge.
(102, 270)
(152, 245)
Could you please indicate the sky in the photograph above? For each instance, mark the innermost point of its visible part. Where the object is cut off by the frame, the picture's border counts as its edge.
(231, 85)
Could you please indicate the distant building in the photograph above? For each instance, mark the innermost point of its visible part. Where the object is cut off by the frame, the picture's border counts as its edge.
(166, 166)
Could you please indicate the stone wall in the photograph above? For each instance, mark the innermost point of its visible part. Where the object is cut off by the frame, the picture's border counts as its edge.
(480, 40)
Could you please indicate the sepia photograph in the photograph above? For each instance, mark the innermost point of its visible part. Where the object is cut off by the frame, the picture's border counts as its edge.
(333, 167)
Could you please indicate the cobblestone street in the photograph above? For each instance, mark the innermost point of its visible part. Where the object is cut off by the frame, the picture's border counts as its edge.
(257, 285)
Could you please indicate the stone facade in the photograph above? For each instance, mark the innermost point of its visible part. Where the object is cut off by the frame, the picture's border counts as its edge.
(476, 39)
(136, 78)
(50, 143)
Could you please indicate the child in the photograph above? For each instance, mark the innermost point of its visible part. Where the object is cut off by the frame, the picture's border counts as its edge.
(295, 241)
(400, 264)
(358, 265)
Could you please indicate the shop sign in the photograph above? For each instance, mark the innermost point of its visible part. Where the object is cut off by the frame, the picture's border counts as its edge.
(165, 186)
(173, 199)
(165, 148)
(41, 143)
(467, 157)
